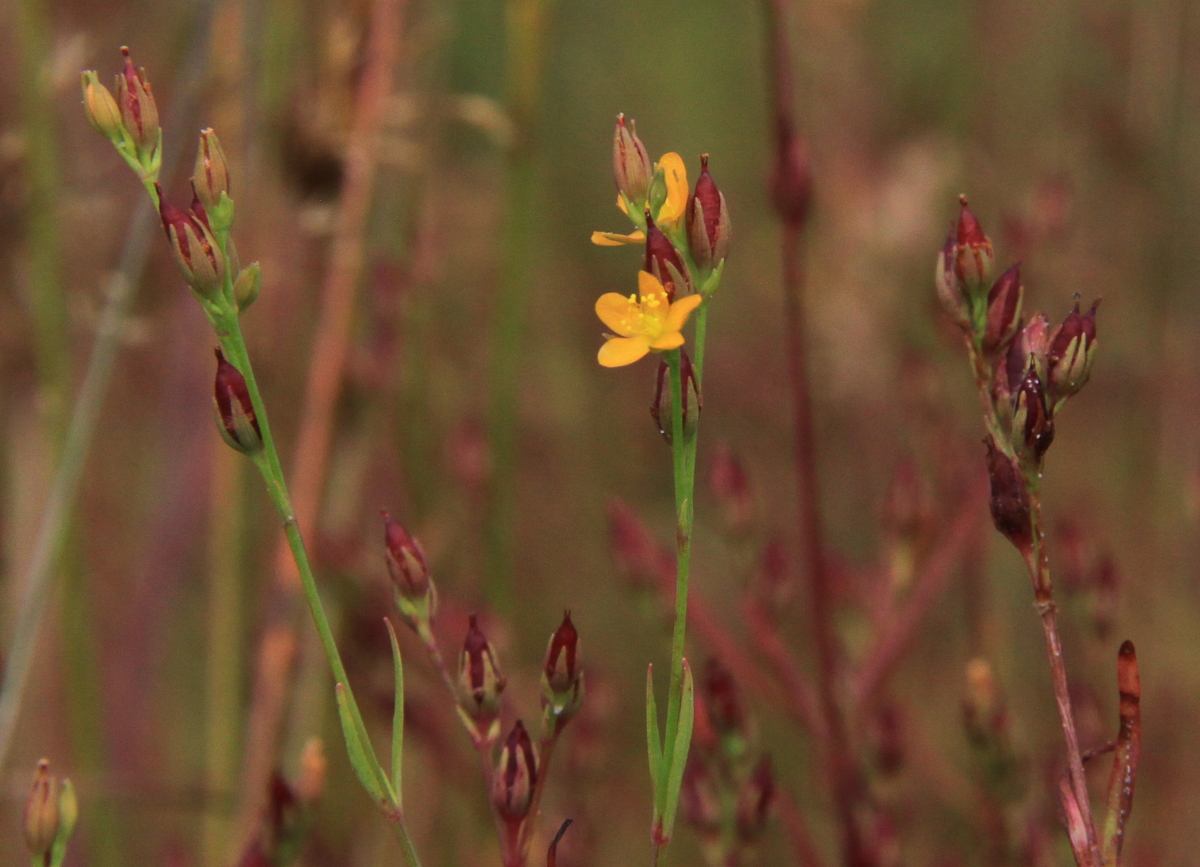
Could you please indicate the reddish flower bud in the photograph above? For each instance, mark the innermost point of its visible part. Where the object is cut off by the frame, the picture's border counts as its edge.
(405, 560)
(562, 680)
(235, 412)
(973, 256)
(708, 221)
(631, 163)
(1032, 422)
(195, 249)
(139, 113)
(730, 484)
(211, 176)
(1003, 311)
(42, 813)
(664, 262)
(101, 109)
(754, 801)
(516, 776)
(791, 179)
(1071, 351)
(662, 409)
(951, 292)
(479, 685)
(1010, 500)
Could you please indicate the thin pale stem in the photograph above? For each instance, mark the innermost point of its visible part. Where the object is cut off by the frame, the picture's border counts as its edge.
(1039, 572)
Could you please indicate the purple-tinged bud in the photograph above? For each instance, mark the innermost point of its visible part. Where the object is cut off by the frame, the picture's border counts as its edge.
(754, 801)
(631, 163)
(195, 249)
(973, 256)
(139, 113)
(42, 813)
(950, 289)
(1032, 423)
(479, 685)
(235, 411)
(662, 409)
(211, 176)
(1003, 312)
(1010, 501)
(791, 179)
(1071, 351)
(562, 677)
(101, 108)
(405, 560)
(664, 261)
(516, 776)
(708, 221)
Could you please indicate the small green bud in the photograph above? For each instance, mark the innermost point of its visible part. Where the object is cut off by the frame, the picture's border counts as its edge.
(210, 179)
(101, 108)
(247, 286)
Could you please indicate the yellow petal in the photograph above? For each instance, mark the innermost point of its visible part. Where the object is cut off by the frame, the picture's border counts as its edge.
(613, 239)
(615, 310)
(621, 204)
(680, 311)
(670, 340)
(675, 174)
(619, 351)
(649, 285)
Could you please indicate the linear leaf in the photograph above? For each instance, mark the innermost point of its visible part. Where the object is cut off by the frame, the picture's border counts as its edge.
(683, 738)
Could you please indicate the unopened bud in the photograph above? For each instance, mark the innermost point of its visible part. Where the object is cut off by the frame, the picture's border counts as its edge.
(973, 256)
(951, 292)
(195, 249)
(42, 814)
(236, 419)
(479, 685)
(1003, 311)
(516, 776)
(1032, 424)
(664, 262)
(101, 108)
(210, 179)
(247, 286)
(662, 409)
(562, 676)
(1010, 500)
(754, 801)
(405, 560)
(138, 110)
(708, 221)
(1071, 351)
(631, 163)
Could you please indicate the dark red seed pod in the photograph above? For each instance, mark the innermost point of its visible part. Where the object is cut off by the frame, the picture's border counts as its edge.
(1009, 501)
(235, 411)
(664, 262)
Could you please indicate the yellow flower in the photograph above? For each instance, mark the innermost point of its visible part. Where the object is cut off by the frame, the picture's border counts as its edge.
(675, 174)
(642, 322)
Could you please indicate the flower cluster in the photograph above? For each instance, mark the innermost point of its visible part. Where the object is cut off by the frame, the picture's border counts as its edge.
(685, 237)
(1026, 368)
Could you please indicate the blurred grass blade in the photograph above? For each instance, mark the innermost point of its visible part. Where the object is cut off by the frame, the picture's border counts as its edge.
(1126, 754)
(397, 720)
(682, 740)
(653, 740)
(362, 755)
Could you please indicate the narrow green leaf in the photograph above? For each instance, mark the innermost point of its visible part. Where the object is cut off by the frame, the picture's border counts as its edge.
(683, 739)
(397, 719)
(653, 739)
(362, 755)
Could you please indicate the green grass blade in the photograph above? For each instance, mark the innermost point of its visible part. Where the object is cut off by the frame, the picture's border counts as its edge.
(361, 753)
(653, 739)
(397, 719)
(683, 739)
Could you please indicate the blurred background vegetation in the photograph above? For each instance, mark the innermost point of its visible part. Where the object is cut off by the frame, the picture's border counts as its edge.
(1074, 128)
